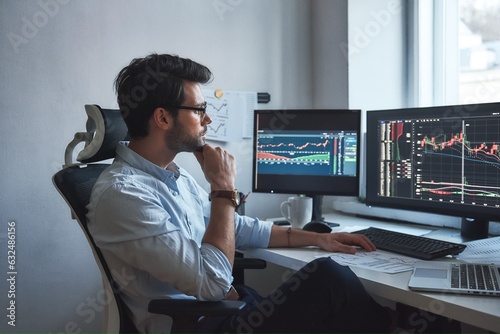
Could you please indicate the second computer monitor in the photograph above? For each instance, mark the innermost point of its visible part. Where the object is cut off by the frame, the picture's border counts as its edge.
(437, 159)
(307, 151)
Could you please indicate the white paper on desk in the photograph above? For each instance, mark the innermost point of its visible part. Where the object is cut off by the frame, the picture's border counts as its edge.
(482, 251)
(378, 261)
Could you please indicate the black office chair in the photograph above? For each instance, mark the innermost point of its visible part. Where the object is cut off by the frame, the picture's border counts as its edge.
(105, 128)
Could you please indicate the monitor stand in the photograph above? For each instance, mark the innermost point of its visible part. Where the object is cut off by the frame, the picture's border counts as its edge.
(474, 229)
(317, 214)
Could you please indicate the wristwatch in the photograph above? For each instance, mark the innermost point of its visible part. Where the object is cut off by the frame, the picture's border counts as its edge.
(232, 195)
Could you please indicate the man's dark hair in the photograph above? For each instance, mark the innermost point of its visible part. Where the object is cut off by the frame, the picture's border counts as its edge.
(151, 82)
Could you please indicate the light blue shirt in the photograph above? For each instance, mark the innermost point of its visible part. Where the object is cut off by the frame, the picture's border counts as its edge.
(149, 223)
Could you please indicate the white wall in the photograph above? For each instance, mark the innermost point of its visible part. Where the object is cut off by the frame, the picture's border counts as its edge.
(377, 58)
(330, 69)
(57, 55)
(377, 54)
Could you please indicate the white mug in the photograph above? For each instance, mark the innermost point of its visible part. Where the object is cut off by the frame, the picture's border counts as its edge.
(297, 210)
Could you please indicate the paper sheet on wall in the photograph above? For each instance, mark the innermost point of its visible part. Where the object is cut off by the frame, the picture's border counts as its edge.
(231, 114)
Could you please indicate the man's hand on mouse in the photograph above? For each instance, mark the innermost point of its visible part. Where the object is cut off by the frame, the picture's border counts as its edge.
(344, 242)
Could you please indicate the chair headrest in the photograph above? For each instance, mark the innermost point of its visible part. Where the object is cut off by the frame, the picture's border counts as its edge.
(105, 129)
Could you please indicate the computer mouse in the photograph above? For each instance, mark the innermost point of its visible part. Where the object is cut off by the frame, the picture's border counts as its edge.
(318, 227)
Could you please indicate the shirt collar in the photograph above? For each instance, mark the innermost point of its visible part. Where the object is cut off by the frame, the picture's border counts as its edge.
(124, 153)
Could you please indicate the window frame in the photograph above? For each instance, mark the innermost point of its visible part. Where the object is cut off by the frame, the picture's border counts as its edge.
(433, 53)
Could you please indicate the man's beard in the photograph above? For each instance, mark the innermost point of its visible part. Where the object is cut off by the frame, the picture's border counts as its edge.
(179, 140)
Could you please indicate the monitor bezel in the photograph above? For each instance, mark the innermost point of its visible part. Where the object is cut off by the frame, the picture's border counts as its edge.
(301, 185)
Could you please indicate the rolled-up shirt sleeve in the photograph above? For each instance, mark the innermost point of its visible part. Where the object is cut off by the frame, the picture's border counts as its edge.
(218, 268)
(251, 232)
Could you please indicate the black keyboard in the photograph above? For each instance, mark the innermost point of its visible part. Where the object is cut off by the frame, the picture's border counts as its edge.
(411, 245)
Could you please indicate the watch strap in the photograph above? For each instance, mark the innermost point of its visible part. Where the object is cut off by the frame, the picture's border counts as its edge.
(232, 195)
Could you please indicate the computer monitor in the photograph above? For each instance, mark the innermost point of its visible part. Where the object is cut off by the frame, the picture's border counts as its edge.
(307, 152)
(441, 160)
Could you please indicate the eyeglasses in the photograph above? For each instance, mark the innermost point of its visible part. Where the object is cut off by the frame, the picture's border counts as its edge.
(201, 111)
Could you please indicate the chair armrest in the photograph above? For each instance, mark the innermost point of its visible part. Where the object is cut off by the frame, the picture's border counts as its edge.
(190, 307)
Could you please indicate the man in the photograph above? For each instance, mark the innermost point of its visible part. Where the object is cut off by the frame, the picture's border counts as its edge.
(159, 230)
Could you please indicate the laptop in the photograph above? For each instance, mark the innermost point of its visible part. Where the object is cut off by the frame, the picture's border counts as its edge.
(456, 277)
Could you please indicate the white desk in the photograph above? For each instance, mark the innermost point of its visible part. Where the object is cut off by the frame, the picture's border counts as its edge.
(480, 311)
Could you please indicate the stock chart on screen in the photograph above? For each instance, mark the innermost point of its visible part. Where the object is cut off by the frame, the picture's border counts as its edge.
(307, 152)
(454, 160)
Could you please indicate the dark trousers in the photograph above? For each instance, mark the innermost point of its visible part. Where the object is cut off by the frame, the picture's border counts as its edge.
(322, 297)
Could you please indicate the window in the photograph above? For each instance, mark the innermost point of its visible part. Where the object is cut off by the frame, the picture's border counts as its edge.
(454, 52)
(479, 47)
